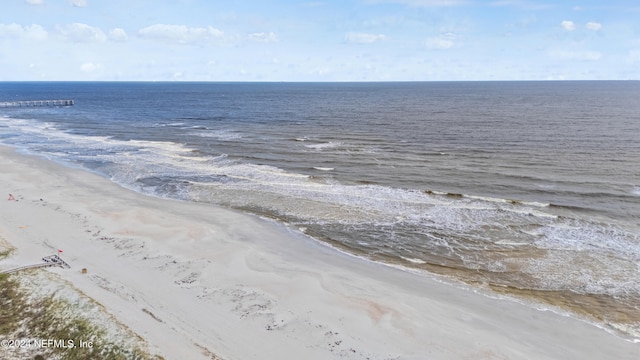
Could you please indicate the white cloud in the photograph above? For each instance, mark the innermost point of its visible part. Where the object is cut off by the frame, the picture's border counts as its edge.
(594, 26)
(441, 42)
(180, 33)
(11, 30)
(78, 32)
(363, 38)
(568, 25)
(78, 3)
(118, 34)
(16, 31)
(263, 37)
(36, 32)
(89, 67)
(576, 55)
(33, 2)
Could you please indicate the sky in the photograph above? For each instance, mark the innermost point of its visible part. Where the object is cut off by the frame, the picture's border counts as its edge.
(330, 40)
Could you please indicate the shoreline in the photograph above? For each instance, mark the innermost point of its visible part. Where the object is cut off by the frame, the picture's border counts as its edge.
(194, 280)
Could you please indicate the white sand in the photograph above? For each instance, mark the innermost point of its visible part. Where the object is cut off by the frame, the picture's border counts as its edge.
(194, 280)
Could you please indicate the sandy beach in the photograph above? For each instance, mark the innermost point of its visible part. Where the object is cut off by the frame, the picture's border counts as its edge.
(198, 282)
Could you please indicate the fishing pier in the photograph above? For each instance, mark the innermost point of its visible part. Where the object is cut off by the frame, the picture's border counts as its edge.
(35, 103)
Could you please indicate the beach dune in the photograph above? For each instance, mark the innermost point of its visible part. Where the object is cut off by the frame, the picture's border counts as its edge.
(200, 282)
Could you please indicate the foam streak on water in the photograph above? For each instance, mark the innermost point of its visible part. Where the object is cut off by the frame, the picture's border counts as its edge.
(529, 189)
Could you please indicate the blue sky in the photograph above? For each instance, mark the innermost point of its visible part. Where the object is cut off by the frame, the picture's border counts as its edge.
(298, 40)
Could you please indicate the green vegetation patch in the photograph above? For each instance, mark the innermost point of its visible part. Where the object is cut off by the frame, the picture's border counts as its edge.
(48, 330)
(5, 248)
(5, 253)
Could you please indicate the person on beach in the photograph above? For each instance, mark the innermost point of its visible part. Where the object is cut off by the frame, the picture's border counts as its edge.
(11, 198)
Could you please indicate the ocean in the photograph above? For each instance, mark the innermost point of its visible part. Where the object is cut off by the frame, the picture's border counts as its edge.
(527, 190)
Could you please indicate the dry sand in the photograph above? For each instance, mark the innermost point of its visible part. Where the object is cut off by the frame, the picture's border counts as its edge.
(194, 280)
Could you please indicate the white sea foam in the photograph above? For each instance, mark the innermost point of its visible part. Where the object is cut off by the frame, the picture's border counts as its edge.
(223, 135)
(498, 200)
(413, 260)
(511, 243)
(324, 146)
(174, 124)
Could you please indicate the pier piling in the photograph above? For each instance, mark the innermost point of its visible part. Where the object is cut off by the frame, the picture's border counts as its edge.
(34, 103)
